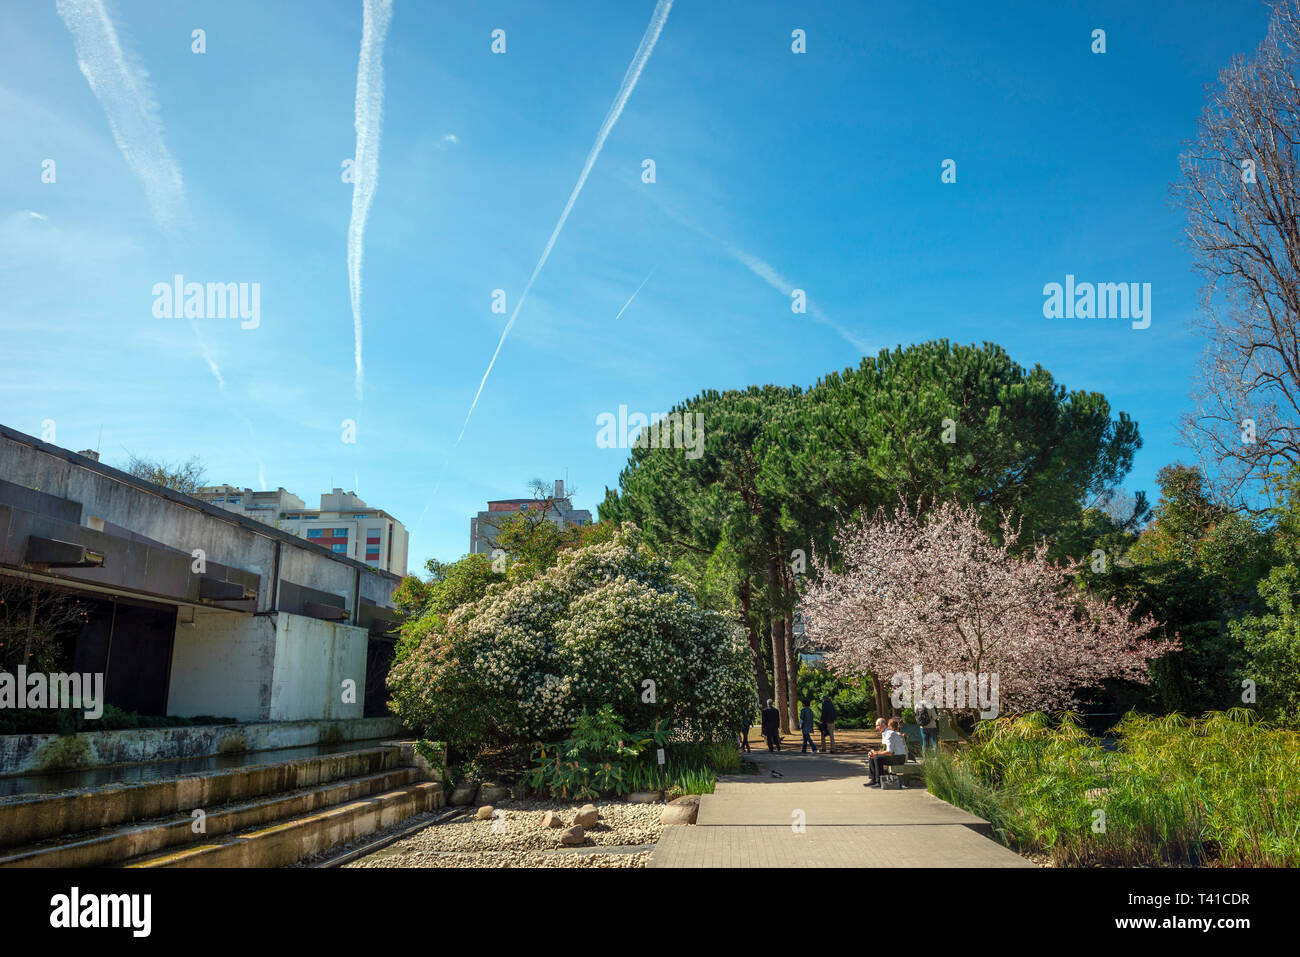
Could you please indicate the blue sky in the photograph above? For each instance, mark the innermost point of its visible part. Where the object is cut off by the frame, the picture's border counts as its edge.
(825, 166)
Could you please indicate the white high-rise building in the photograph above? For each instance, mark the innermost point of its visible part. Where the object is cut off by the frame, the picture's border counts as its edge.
(344, 523)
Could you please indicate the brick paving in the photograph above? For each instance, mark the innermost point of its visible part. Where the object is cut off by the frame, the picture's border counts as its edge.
(749, 822)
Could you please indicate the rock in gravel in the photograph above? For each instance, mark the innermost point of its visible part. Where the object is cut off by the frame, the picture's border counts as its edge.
(690, 800)
(644, 797)
(492, 793)
(464, 793)
(552, 819)
(484, 813)
(679, 814)
(587, 816)
(574, 835)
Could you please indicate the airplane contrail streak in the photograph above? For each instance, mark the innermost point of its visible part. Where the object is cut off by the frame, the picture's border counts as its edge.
(365, 163)
(633, 296)
(648, 40)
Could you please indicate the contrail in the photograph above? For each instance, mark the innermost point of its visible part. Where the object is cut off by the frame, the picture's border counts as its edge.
(774, 279)
(127, 98)
(207, 357)
(764, 271)
(365, 163)
(633, 296)
(648, 40)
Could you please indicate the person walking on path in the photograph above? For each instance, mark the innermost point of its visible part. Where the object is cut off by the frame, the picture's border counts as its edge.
(745, 722)
(806, 726)
(928, 718)
(772, 727)
(828, 722)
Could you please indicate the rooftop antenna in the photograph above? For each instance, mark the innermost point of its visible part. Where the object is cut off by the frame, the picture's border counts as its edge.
(99, 441)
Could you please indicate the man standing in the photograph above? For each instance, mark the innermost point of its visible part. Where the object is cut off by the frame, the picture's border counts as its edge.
(772, 727)
(928, 718)
(806, 726)
(828, 722)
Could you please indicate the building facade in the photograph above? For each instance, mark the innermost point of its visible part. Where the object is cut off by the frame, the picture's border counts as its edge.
(188, 608)
(558, 509)
(343, 523)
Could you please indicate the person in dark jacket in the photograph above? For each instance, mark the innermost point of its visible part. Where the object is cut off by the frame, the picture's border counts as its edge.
(772, 727)
(828, 722)
(806, 726)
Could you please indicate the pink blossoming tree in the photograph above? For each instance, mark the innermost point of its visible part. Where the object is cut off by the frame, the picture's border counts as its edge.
(935, 591)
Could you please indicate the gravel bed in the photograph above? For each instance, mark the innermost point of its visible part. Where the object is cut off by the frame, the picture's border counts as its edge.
(627, 831)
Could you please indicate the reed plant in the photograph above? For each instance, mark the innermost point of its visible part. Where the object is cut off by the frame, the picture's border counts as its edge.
(1174, 791)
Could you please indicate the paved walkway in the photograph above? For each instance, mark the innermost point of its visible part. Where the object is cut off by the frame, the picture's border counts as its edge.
(749, 822)
(847, 740)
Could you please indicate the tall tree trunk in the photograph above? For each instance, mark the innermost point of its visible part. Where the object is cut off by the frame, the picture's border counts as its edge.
(780, 676)
(788, 598)
(755, 644)
(882, 699)
(792, 667)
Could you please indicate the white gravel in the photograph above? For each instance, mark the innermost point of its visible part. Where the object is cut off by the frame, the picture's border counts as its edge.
(624, 837)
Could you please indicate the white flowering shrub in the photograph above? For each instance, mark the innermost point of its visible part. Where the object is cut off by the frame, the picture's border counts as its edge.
(522, 663)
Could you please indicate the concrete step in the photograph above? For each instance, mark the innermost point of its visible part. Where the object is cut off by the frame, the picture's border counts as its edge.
(33, 818)
(293, 840)
(115, 844)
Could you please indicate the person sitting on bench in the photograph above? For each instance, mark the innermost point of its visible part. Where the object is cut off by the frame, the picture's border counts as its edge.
(894, 753)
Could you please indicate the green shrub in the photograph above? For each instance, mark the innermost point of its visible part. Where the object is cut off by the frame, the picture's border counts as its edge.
(600, 757)
(523, 662)
(1175, 791)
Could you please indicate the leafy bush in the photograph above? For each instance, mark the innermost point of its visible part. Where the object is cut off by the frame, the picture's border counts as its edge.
(600, 757)
(527, 659)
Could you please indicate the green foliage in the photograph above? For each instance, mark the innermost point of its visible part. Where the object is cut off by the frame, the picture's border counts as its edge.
(434, 753)
(533, 543)
(1175, 791)
(868, 437)
(450, 585)
(854, 698)
(1195, 567)
(600, 757)
(1271, 640)
(425, 604)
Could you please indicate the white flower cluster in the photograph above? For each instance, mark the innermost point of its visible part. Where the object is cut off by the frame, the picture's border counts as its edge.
(591, 630)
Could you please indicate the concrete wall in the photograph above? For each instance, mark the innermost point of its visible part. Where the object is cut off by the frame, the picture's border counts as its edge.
(223, 665)
(267, 668)
(312, 660)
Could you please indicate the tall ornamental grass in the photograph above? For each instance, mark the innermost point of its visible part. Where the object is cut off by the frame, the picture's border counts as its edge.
(1175, 791)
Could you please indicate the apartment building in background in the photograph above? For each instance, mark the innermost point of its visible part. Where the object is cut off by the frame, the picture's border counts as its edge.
(558, 509)
(343, 523)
